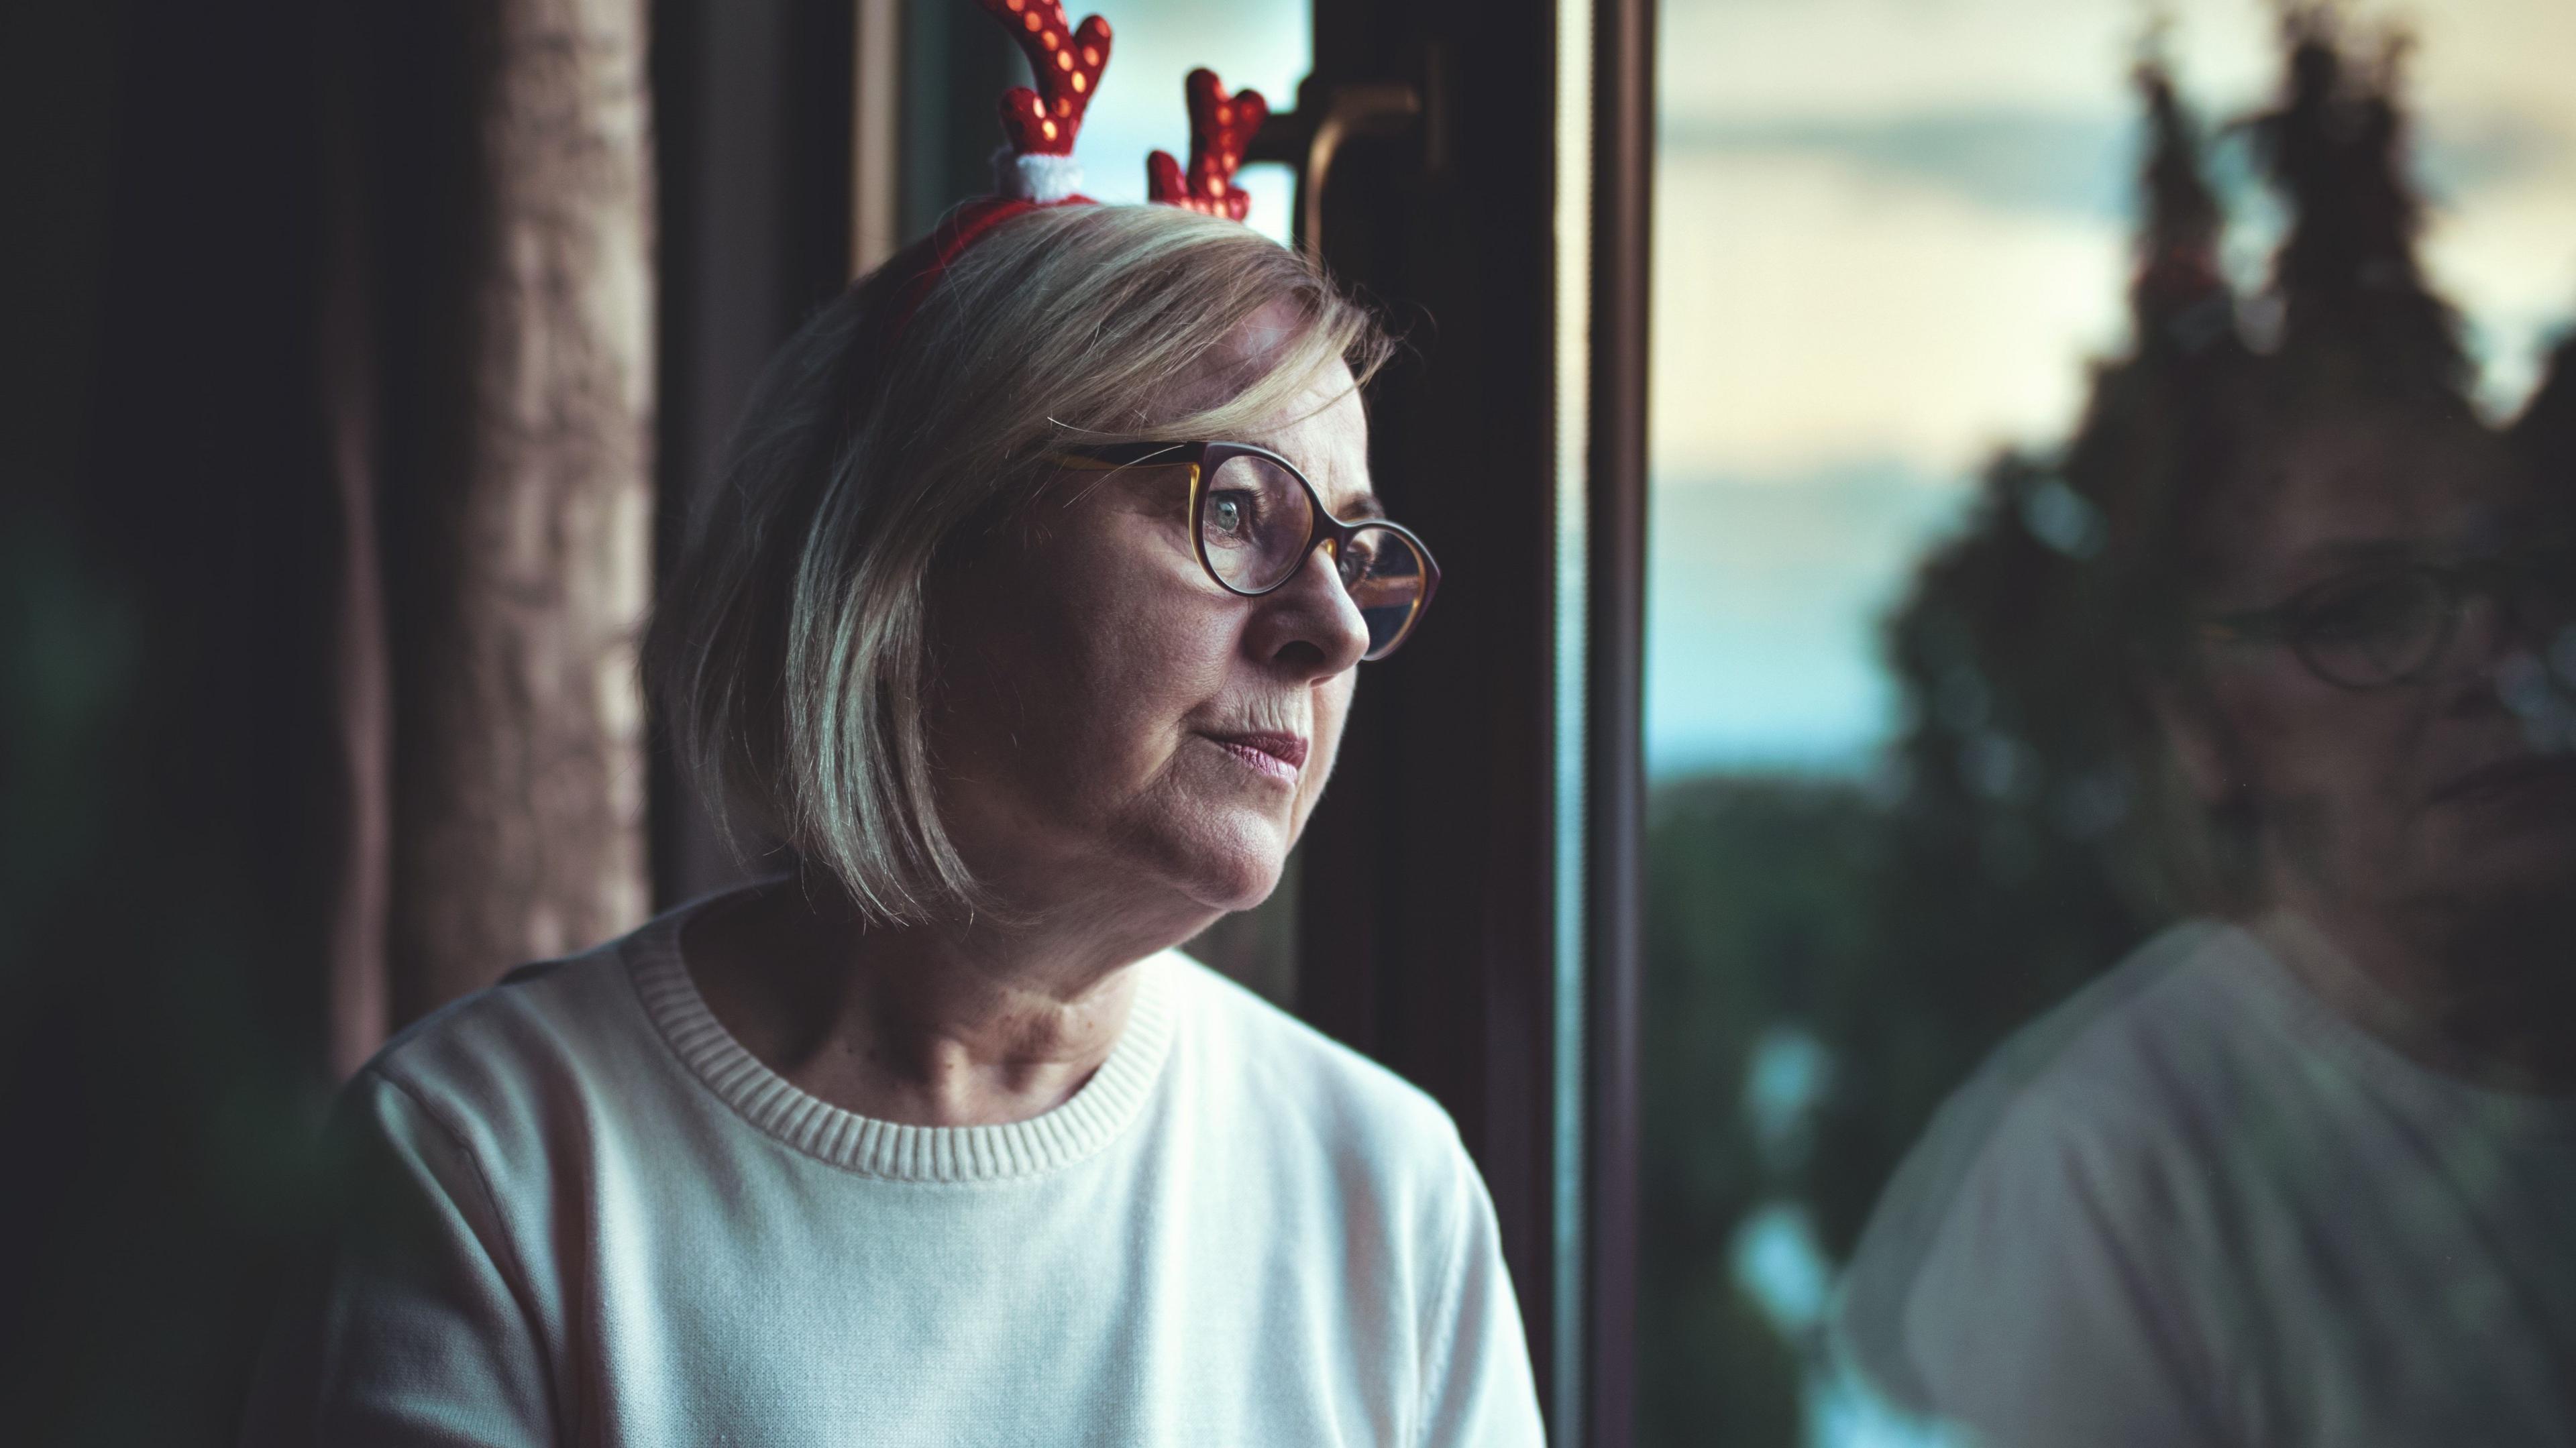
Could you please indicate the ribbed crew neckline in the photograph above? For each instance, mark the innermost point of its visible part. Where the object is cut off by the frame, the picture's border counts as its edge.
(893, 1151)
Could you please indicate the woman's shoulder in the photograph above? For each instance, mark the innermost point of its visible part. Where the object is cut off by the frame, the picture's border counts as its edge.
(2082, 1141)
(1284, 1070)
(544, 1032)
(2110, 1074)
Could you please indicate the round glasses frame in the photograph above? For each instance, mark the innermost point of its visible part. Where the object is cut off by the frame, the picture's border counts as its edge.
(2446, 589)
(1203, 459)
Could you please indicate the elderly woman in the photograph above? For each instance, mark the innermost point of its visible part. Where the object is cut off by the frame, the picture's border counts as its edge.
(1028, 619)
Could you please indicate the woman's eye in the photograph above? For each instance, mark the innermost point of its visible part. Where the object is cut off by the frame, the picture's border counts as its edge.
(2369, 610)
(1228, 515)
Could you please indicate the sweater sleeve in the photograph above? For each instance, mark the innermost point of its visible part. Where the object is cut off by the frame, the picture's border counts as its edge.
(1477, 1385)
(2051, 1304)
(415, 1327)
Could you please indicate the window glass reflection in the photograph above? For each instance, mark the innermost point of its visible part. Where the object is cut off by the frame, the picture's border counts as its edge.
(2114, 839)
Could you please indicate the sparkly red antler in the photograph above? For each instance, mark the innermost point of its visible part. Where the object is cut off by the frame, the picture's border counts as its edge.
(1037, 168)
(1067, 61)
(1220, 128)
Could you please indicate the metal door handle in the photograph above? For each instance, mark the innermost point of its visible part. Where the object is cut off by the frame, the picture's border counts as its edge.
(1309, 141)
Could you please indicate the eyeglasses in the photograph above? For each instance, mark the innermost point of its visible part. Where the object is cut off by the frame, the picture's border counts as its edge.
(2382, 627)
(1254, 518)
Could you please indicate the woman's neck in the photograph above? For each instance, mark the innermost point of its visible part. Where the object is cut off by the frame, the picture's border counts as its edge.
(2472, 1005)
(935, 1025)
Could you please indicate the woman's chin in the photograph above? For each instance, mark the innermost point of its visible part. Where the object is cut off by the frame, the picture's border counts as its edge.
(1239, 888)
(1232, 867)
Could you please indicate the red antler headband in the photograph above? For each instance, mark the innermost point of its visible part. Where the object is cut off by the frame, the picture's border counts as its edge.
(1038, 163)
(1220, 127)
(1035, 166)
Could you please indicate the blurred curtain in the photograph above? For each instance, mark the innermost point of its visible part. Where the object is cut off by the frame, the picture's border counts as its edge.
(325, 528)
(489, 378)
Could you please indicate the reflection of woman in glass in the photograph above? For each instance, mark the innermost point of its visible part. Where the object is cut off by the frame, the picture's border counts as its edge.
(2303, 1175)
(1028, 617)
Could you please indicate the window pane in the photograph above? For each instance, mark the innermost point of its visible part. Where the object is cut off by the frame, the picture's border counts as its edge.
(958, 63)
(1262, 45)
(1992, 466)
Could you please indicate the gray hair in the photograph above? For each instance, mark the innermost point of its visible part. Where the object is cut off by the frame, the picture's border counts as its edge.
(789, 646)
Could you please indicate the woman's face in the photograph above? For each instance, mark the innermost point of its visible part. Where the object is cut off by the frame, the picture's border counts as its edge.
(1114, 726)
(2431, 795)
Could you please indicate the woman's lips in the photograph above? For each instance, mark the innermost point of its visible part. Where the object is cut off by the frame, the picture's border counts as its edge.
(1278, 755)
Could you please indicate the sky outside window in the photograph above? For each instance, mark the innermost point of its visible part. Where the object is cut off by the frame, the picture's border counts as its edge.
(1263, 45)
(1889, 233)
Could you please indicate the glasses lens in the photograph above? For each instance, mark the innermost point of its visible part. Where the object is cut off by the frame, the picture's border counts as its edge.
(2375, 629)
(1254, 523)
(1386, 576)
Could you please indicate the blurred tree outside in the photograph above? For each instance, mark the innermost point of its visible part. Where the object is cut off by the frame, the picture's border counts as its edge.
(1827, 959)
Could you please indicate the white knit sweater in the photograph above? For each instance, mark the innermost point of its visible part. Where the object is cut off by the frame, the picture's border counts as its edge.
(583, 1213)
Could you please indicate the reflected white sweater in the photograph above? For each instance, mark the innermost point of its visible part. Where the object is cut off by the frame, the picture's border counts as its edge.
(583, 1213)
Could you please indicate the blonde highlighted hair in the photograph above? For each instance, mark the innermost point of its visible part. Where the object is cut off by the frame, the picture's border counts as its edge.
(789, 647)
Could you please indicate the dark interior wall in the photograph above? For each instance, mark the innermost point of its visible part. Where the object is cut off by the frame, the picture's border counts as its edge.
(752, 119)
(752, 111)
(956, 64)
(166, 815)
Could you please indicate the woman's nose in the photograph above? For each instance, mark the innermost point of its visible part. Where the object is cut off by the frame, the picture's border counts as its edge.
(1310, 623)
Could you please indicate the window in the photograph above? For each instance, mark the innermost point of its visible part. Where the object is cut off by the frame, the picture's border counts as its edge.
(1925, 348)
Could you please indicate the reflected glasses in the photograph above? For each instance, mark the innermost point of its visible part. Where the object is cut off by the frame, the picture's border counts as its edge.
(1254, 518)
(2382, 627)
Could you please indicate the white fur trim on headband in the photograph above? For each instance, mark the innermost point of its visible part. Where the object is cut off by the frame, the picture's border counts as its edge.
(1035, 177)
